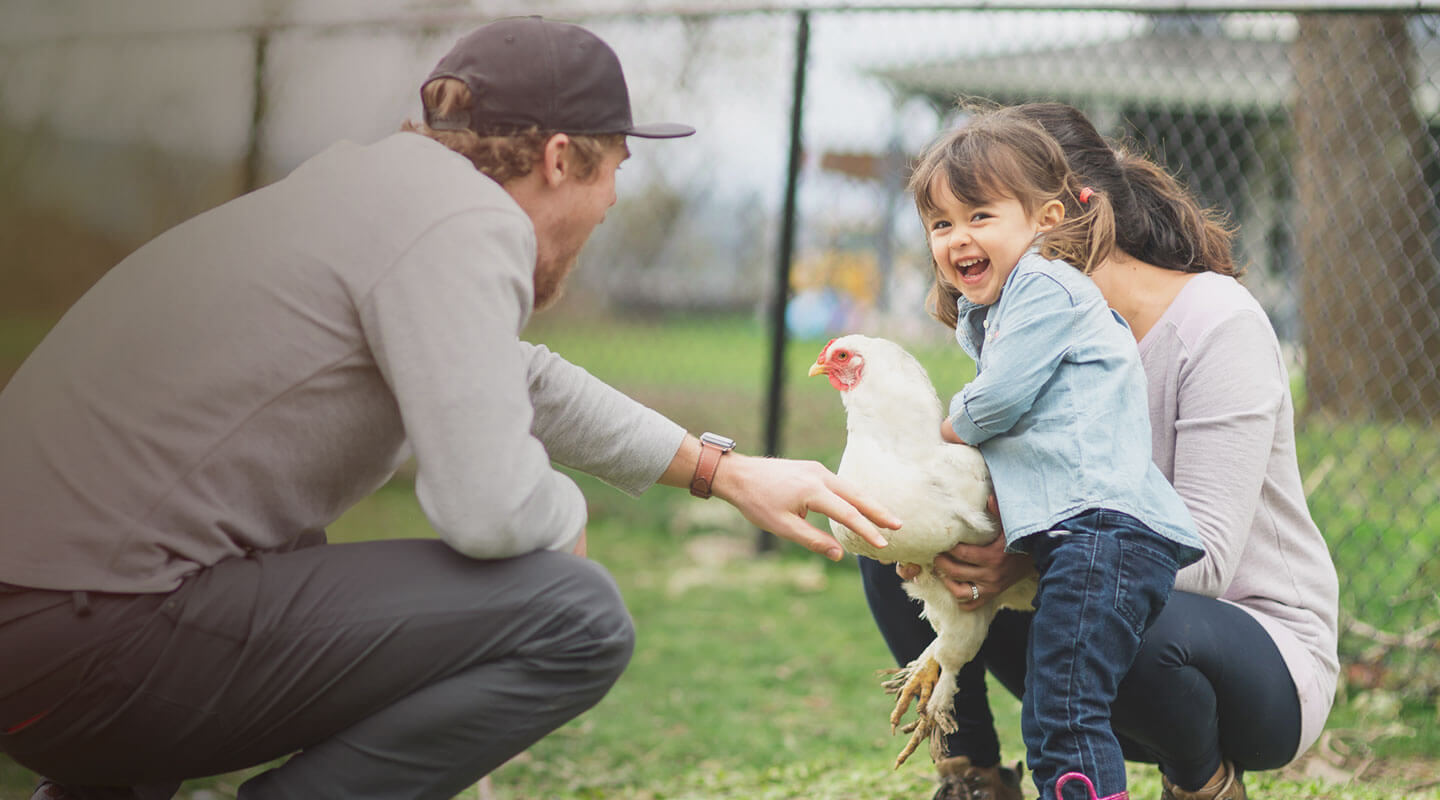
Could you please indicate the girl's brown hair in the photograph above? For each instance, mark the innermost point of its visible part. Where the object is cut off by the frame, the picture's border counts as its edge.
(1002, 154)
(1156, 219)
(503, 158)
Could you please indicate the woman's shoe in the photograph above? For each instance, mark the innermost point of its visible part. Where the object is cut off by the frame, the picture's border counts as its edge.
(1230, 787)
(961, 780)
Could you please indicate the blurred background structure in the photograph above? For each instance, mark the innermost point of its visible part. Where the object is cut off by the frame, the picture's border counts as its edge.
(783, 222)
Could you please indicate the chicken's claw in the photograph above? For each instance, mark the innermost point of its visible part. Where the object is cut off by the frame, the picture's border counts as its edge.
(915, 683)
(922, 728)
(912, 684)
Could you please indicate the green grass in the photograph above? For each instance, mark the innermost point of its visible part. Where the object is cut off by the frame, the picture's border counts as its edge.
(753, 675)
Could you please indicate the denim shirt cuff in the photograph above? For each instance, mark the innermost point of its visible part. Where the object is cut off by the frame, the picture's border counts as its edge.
(961, 423)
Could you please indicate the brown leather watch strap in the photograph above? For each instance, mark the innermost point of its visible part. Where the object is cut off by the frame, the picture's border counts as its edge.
(703, 482)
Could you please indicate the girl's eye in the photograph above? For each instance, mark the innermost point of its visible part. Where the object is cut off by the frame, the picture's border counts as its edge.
(979, 215)
(939, 224)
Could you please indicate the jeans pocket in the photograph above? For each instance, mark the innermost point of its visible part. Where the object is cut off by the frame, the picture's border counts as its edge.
(1147, 575)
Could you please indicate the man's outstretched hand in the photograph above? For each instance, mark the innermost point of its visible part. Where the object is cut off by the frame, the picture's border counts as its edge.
(775, 494)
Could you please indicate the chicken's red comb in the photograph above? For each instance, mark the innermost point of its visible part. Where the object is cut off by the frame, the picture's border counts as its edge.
(824, 351)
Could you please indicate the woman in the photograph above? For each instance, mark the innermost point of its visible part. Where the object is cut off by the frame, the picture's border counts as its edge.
(1238, 672)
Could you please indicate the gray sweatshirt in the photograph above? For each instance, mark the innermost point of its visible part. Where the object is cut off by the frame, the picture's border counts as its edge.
(249, 375)
(1224, 434)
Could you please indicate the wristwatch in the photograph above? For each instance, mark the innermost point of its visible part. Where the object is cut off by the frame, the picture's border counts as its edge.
(712, 447)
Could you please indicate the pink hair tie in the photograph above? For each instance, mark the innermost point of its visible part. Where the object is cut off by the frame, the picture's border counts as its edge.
(1086, 194)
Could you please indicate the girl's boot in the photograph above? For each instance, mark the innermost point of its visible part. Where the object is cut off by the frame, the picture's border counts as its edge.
(1226, 785)
(1077, 776)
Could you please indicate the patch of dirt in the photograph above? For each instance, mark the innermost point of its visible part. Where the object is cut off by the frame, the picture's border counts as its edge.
(1337, 759)
(722, 560)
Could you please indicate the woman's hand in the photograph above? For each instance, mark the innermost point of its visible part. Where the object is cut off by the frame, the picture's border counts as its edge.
(775, 494)
(985, 567)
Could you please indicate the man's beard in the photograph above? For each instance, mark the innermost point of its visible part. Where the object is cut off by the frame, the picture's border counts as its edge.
(550, 282)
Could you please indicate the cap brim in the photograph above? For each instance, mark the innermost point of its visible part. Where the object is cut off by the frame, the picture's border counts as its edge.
(660, 130)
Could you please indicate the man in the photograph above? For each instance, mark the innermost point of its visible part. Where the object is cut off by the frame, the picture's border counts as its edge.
(220, 396)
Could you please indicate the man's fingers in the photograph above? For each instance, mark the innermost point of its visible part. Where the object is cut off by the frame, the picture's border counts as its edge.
(797, 530)
(861, 502)
(835, 507)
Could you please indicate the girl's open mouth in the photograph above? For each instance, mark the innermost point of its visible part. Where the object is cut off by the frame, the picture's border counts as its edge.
(970, 271)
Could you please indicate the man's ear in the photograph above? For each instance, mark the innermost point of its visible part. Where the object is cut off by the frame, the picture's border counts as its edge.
(1051, 214)
(555, 160)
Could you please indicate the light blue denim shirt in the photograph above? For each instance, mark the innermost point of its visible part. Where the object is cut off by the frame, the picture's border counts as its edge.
(1058, 406)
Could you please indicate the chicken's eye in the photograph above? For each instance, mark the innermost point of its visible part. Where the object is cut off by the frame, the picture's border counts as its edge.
(842, 355)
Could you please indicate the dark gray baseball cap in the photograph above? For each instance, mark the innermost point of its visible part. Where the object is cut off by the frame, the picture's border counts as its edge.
(528, 72)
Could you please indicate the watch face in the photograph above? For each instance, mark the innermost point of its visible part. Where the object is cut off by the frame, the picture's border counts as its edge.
(723, 442)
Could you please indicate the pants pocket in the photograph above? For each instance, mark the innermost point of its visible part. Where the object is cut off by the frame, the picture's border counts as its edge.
(1147, 575)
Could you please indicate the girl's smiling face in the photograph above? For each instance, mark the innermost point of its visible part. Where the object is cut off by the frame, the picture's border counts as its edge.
(976, 247)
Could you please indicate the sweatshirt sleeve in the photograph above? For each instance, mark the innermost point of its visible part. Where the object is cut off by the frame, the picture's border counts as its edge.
(590, 426)
(1229, 401)
(1020, 357)
(443, 325)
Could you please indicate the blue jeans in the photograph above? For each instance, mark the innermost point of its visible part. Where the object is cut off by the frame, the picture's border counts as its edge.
(1101, 583)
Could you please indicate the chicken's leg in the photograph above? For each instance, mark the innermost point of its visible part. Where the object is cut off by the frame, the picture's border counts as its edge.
(930, 680)
(915, 683)
(918, 682)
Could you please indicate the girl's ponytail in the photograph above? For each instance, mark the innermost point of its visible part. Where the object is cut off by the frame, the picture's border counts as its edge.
(1086, 237)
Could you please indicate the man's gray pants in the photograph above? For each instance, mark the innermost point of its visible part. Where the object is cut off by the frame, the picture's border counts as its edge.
(396, 669)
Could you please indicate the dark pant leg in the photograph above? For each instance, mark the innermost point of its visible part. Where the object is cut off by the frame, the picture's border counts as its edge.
(54, 649)
(907, 636)
(1100, 585)
(397, 668)
(1207, 684)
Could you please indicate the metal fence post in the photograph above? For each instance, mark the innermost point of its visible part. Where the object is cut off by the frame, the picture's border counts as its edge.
(775, 398)
(253, 165)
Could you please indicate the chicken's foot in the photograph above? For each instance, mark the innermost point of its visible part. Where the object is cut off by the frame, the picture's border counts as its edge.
(919, 731)
(914, 683)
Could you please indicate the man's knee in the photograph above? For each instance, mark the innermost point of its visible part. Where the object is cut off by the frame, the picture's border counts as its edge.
(601, 633)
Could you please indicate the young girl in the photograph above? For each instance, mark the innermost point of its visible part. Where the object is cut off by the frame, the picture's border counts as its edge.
(1058, 408)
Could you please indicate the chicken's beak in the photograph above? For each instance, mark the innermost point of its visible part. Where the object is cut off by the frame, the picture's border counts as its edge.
(817, 369)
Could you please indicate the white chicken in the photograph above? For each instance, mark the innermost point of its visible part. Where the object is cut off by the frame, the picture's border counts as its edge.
(893, 450)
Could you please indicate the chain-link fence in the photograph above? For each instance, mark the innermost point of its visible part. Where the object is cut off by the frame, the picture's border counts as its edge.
(1313, 128)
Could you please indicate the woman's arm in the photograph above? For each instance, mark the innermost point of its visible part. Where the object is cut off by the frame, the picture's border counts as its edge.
(1229, 398)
